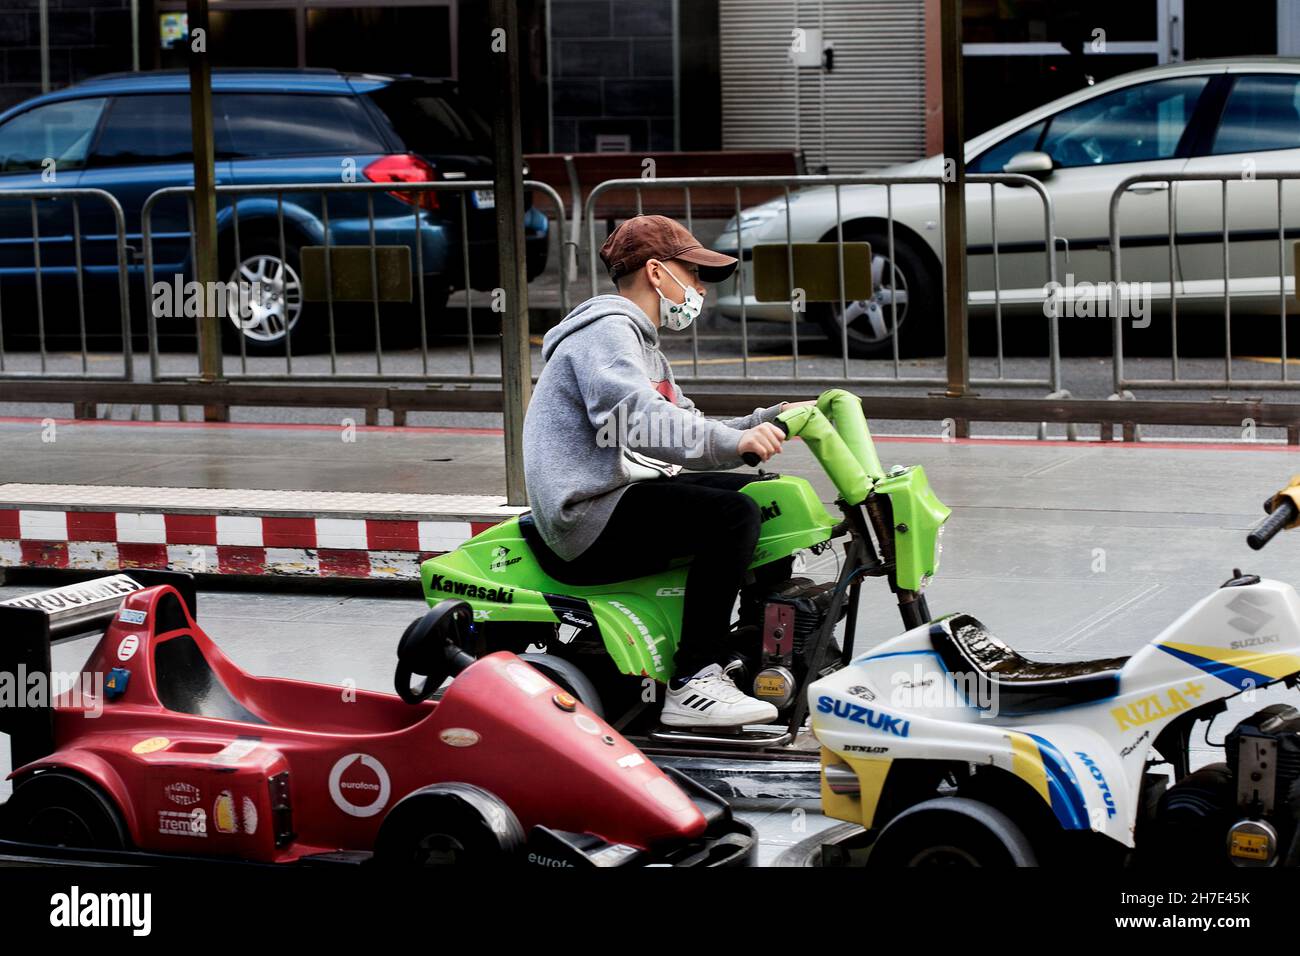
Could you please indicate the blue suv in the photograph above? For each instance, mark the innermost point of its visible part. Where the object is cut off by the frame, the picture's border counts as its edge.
(129, 134)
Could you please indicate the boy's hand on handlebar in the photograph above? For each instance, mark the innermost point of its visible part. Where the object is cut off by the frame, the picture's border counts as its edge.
(763, 440)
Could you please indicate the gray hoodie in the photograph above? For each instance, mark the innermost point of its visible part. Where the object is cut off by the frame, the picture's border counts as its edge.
(606, 412)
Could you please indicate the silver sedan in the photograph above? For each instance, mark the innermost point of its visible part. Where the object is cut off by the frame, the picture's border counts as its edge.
(1241, 116)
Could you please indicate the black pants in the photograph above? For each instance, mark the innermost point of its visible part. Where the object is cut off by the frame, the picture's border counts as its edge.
(697, 514)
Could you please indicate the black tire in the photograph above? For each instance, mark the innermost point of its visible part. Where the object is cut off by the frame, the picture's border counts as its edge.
(1190, 826)
(61, 808)
(920, 318)
(263, 334)
(450, 824)
(951, 831)
(570, 677)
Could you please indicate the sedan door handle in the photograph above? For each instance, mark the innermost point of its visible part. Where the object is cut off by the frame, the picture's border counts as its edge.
(1143, 188)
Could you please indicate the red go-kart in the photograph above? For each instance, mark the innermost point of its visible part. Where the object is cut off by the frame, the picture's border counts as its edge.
(164, 749)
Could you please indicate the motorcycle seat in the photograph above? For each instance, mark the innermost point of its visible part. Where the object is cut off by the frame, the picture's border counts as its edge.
(579, 575)
(1012, 684)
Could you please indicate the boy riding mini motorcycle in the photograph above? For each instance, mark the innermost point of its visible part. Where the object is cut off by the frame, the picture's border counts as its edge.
(609, 439)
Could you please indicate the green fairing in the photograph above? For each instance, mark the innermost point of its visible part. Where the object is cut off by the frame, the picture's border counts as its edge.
(639, 619)
(841, 464)
(918, 516)
(844, 410)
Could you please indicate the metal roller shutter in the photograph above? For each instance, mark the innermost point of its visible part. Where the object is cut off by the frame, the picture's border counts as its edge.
(867, 113)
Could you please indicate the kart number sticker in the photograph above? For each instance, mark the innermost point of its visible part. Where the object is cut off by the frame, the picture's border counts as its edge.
(126, 650)
(359, 785)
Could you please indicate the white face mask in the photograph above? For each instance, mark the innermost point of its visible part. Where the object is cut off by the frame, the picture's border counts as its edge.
(678, 316)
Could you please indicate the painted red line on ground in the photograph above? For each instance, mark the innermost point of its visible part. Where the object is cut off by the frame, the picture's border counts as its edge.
(92, 526)
(9, 524)
(1062, 443)
(258, 426)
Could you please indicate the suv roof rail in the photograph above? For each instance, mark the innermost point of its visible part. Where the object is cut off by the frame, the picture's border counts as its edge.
(227, 70)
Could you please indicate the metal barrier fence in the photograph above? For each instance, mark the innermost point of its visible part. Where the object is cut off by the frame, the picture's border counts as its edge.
(55, 251)
(260, 198)
(1248, 232)
(1050, 380)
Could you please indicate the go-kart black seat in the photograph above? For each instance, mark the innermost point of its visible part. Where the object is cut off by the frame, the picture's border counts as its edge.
(564, 572)
(183, 678)
(1014, 684)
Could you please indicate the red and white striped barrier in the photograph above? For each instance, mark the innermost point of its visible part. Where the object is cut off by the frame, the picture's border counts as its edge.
(236, 531)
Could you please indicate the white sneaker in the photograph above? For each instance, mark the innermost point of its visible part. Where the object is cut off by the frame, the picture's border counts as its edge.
(711, 699)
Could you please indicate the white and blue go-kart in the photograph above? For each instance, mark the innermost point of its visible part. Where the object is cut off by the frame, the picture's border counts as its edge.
(945, 746)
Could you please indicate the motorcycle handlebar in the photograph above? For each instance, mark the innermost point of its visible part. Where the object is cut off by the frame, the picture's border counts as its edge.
(1282, 515)
(751, 458)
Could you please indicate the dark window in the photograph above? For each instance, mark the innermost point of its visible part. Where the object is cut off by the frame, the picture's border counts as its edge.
(381, 39)
(57, 131)
(1134, 125)
(264, 125)
(153, 128)
(252, 38)
(1260, 114)
(995, 157)
(429, 118)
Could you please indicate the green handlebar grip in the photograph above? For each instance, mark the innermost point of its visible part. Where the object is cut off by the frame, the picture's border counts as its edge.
(844, 409)
(840, 464)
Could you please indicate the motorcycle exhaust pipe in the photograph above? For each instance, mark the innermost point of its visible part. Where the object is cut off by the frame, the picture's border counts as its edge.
(842, 779)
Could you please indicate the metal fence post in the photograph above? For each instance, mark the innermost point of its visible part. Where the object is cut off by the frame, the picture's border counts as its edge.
(516, 367)
(954, 213)
(205, 197)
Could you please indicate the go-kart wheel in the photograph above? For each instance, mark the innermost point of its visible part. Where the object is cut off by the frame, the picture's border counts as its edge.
(449, 824)
(429, 649)
(61, 808)
(951, 831)
(570, 677)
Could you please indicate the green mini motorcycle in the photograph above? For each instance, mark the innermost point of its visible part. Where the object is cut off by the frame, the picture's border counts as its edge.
(612, 643)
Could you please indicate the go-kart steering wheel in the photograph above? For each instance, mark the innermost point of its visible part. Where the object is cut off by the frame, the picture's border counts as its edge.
(428, 648)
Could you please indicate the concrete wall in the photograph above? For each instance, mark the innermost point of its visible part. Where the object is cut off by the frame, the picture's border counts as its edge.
(611, 72)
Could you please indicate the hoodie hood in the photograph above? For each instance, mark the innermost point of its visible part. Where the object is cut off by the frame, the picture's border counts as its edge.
(593, 310)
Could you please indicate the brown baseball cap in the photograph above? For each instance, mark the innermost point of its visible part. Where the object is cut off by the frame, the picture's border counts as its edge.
(638, 240)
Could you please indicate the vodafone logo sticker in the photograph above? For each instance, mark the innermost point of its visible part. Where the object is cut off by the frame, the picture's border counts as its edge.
(126, 650)
(359, 785)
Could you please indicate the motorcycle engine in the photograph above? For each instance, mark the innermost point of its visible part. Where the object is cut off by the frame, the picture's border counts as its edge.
(791, 618)
(1243, 811)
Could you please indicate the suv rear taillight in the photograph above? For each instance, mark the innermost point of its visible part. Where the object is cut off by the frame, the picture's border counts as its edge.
(405, 168)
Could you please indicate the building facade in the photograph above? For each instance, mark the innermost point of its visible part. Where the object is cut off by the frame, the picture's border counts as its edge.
(854, 84)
